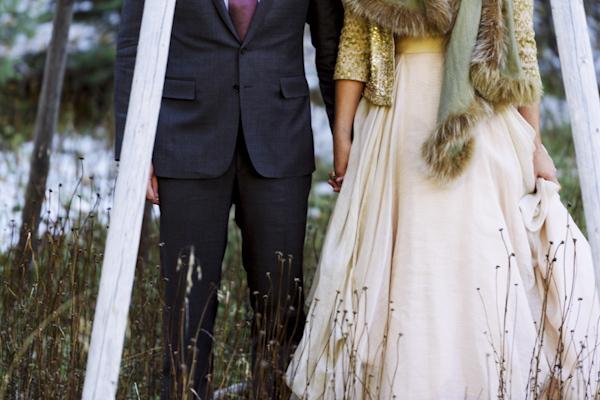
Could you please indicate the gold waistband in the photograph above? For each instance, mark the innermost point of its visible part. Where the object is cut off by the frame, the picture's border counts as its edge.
(423, 45)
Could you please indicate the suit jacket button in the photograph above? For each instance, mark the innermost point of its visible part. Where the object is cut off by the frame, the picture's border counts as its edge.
(236, 88)
(243, 51)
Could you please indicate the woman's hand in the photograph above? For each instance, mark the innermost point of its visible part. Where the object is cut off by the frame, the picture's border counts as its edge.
(152, 188)
(543, 166)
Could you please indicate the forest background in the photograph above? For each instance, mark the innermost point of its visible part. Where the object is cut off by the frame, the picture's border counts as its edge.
(47, 303)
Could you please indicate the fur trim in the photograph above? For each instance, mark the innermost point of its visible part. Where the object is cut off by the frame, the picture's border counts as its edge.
(489, 55)
(449, 149)
(505, 91)
(491, 45)
(436, 21)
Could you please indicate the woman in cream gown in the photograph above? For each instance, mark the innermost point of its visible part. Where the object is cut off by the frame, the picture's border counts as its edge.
(479, 288)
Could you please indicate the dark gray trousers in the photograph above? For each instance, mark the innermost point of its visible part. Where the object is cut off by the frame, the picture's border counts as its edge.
(271, 214)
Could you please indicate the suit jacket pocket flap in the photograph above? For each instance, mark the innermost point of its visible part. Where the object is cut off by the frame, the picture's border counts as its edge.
(294, 87)
(179, 89)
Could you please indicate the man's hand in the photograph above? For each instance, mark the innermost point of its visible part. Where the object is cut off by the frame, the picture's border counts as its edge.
(152, 188)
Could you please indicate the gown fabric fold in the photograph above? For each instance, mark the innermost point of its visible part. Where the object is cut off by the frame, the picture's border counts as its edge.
(471, 290)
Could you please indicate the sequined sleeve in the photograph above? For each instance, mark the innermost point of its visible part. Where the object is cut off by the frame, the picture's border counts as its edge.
(353, 54)
(526, 38)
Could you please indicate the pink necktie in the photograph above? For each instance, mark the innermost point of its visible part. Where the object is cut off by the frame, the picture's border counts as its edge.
(241, 12)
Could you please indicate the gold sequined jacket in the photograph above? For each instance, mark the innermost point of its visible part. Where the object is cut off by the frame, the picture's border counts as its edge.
(366, 52)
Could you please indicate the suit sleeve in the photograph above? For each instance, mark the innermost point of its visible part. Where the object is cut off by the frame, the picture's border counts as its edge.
(127, 43)
(326, 18)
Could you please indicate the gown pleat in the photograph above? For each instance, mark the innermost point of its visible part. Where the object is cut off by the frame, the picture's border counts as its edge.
(429, 291)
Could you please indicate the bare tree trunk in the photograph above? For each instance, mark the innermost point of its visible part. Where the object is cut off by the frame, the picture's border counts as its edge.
(45, 124)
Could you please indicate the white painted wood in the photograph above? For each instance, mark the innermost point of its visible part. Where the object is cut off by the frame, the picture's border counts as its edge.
(581, 87)
(120, 256)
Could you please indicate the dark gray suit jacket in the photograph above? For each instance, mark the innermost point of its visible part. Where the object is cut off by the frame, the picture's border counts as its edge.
(213, 82)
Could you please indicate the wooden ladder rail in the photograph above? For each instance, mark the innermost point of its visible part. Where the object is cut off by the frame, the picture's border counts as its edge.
(120, 255)
(581, 87)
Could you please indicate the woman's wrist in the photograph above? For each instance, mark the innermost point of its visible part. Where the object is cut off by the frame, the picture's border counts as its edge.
(341, 153)
(543, 165)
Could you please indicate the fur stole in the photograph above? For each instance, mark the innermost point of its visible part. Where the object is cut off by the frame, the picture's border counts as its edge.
(435, 18)
(494, 79)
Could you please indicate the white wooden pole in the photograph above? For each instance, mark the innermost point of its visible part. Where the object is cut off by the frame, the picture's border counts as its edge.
(581, 87)
(120, 256)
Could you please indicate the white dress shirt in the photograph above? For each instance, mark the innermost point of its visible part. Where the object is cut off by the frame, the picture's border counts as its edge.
(227, 3)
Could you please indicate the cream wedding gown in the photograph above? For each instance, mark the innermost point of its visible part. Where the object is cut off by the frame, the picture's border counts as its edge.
(473, 290)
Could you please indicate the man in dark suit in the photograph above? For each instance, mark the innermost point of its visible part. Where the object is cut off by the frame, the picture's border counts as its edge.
(234, 128)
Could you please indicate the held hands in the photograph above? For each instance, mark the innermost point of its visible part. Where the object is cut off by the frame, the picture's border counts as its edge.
(335, 181)
(152, 188)
(341, 153)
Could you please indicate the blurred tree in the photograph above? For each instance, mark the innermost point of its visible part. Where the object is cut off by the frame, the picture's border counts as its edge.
(45, 125)
(17, 19)
(548, 48)
(87, 88)
(103, 14)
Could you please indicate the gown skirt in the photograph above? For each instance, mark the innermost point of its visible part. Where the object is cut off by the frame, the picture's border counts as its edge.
(479, 289)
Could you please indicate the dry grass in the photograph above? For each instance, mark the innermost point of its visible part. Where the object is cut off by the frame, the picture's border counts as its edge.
(47, 306)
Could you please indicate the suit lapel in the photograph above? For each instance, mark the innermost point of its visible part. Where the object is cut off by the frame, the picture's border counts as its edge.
(220, 5)
(261, 12)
